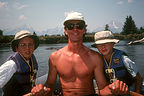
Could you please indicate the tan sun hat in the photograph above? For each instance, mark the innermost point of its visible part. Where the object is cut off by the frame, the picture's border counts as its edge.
(74, 16)
(104, 37)
(22, 34)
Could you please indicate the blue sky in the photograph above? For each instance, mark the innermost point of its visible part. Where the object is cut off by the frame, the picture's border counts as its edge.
(46, 14)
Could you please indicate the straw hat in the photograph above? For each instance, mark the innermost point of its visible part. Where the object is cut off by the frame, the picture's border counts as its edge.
(102, 37)
(22, 34)
(74, 16)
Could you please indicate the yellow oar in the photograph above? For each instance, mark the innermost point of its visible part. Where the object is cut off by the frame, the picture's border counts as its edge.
(29, 94)
(131, 93)
(134, 94)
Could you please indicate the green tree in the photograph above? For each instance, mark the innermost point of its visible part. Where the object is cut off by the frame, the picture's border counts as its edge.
(34, 34)
(106, 27)
(129, 26)
(1, 32)
(141, 30)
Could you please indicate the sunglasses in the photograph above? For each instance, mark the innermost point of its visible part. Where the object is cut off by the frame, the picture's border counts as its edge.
(79, 25)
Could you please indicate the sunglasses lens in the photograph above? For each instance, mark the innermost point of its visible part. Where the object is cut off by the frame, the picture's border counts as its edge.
(80, 26)
(70, 26)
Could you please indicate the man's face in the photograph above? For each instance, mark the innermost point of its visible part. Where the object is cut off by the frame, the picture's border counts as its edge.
(75, 30)
(26, 47)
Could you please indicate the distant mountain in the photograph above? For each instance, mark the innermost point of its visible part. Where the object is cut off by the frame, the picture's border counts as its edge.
(12, 31)
(114, 26)
(50, 31)
(53, 31)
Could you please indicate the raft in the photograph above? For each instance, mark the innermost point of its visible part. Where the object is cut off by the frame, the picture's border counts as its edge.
(43, 79)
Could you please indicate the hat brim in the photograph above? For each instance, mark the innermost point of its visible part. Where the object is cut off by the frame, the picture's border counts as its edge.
(65, 22)
(14, 42)
(106, 41)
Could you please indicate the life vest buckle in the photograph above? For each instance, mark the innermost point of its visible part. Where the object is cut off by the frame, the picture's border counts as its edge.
(111, 73)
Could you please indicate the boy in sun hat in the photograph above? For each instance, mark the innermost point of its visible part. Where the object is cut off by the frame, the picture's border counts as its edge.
(22, 34)
(18, 73)
(76, 65)
(117, 65)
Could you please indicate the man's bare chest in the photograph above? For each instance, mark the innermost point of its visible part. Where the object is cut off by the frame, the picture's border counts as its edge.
(74, 66)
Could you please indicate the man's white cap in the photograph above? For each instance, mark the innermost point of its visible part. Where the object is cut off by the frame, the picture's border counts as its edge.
(74, 16)
(104, 37)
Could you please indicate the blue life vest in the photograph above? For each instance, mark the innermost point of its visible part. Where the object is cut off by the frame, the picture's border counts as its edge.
(121, 72)
(21, 82)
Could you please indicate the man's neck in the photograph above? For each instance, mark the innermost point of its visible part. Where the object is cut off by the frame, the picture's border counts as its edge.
(75, 46)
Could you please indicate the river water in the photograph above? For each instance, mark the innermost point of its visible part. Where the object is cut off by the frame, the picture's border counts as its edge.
(135, 52)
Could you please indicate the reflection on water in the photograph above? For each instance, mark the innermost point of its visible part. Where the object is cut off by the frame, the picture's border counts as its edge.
(42, 53)
(4, 53)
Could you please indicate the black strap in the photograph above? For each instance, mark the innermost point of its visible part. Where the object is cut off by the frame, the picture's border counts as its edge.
(26, 73)
(119, 68)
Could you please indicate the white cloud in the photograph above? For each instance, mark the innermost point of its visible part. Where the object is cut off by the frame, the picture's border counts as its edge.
(19, 6)
(120, 2)
(22, 17)
(129, 1)
(3, 4)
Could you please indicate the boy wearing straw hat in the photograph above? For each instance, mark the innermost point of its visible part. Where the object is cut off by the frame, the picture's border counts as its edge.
(18, 73)
(117, 65)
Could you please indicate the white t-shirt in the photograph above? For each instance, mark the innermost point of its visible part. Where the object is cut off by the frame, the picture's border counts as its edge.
(6, 72)
(130, 65)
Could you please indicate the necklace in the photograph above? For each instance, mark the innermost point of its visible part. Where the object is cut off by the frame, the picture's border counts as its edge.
(31, 68)
(109, 70)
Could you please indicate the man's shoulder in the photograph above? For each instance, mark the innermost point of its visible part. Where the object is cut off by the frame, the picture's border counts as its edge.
(93, 55)
(93, 52)
(94, 58)
(58, 52)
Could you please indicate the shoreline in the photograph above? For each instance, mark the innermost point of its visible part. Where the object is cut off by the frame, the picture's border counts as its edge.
(4, 45)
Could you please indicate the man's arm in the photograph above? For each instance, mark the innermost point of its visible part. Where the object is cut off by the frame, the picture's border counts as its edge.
(100, 78)
(52, 76)
(41, 90)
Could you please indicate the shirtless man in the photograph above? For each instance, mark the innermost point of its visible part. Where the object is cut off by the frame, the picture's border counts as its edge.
(76, 66)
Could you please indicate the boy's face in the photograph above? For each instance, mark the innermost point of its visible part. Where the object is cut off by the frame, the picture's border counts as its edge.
(105, 49)
(26, 47)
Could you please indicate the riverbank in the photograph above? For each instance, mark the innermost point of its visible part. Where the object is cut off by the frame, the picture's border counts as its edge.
(4, 45)
(55, 39)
